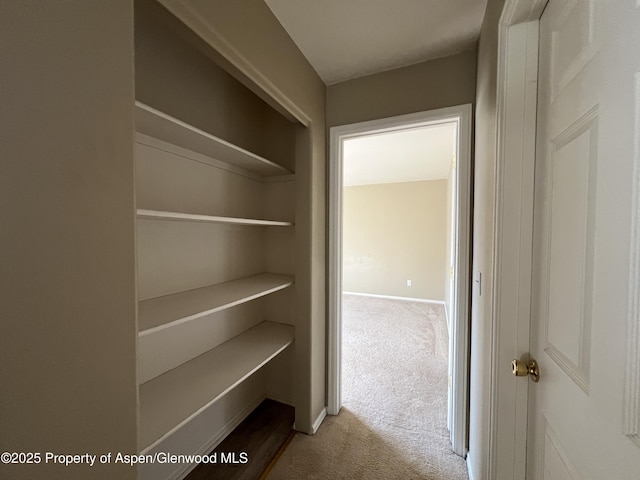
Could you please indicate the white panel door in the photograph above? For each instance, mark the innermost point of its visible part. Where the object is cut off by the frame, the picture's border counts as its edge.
(584, 412)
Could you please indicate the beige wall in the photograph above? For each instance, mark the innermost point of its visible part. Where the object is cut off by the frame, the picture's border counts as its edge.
(485, 164)
(392, 233)
(439, 83)
(67, 321)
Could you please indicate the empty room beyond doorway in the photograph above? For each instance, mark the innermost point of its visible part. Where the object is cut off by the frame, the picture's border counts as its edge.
(397, 238)
(400, 221)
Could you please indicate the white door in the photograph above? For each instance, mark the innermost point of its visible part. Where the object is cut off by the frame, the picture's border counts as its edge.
(584, 412)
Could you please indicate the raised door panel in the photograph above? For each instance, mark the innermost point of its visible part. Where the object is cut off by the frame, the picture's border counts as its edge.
(571, 175)
(584, 323)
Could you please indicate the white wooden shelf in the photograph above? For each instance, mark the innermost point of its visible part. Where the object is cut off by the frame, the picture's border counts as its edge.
(144, 214)
(169, 310)
(154, 123)
(169, 401)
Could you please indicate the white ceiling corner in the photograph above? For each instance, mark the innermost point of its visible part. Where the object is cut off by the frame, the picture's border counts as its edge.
(348, 39)
(423, 153)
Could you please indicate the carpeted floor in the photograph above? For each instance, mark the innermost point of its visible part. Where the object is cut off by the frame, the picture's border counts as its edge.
(393, 422)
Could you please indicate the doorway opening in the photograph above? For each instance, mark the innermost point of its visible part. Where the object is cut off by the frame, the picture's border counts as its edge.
(455, 293)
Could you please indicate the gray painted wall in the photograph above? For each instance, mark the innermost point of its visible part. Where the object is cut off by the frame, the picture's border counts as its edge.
(439, 83)
(68, 263)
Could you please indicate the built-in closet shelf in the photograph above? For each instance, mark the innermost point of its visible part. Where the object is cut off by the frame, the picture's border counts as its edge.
(169, 401)
(143, 214)
(154, 123)
(161, 312)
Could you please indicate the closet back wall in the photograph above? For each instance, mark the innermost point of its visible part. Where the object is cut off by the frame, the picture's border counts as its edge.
(251, 39)
(175, 74)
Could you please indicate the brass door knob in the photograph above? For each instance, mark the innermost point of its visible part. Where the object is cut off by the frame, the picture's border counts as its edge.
(521, 369)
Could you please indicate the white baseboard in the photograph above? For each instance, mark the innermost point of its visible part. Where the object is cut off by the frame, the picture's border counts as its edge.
(217, 438)
(391, 297)
(469, 468)
(446, 317)
(319, 420)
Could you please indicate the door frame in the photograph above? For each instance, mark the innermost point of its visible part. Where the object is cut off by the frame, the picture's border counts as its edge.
(516, 97)
(460, 326)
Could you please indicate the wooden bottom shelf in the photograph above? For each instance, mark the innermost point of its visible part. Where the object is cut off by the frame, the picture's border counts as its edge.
(261, 436)
(169, 401)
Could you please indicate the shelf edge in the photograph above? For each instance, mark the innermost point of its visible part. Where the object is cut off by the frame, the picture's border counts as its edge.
(216, 398)
(158, 115)
(179, 321)
(163, 215)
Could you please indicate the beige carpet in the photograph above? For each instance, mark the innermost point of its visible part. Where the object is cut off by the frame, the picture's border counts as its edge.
(393, 422)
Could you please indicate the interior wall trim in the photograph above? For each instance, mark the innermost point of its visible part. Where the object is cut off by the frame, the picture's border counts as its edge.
(392, 297)
(458, 405)
(470, 467)
(631, 419)
(516, 96)
(238, 64)
(318, 421)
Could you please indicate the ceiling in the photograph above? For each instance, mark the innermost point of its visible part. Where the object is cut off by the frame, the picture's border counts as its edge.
(423, 153)
(344, 39)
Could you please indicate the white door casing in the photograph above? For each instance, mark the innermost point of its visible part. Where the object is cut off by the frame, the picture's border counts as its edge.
(505, 455)
(618, 112)
(583, 280)
(459, 395)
